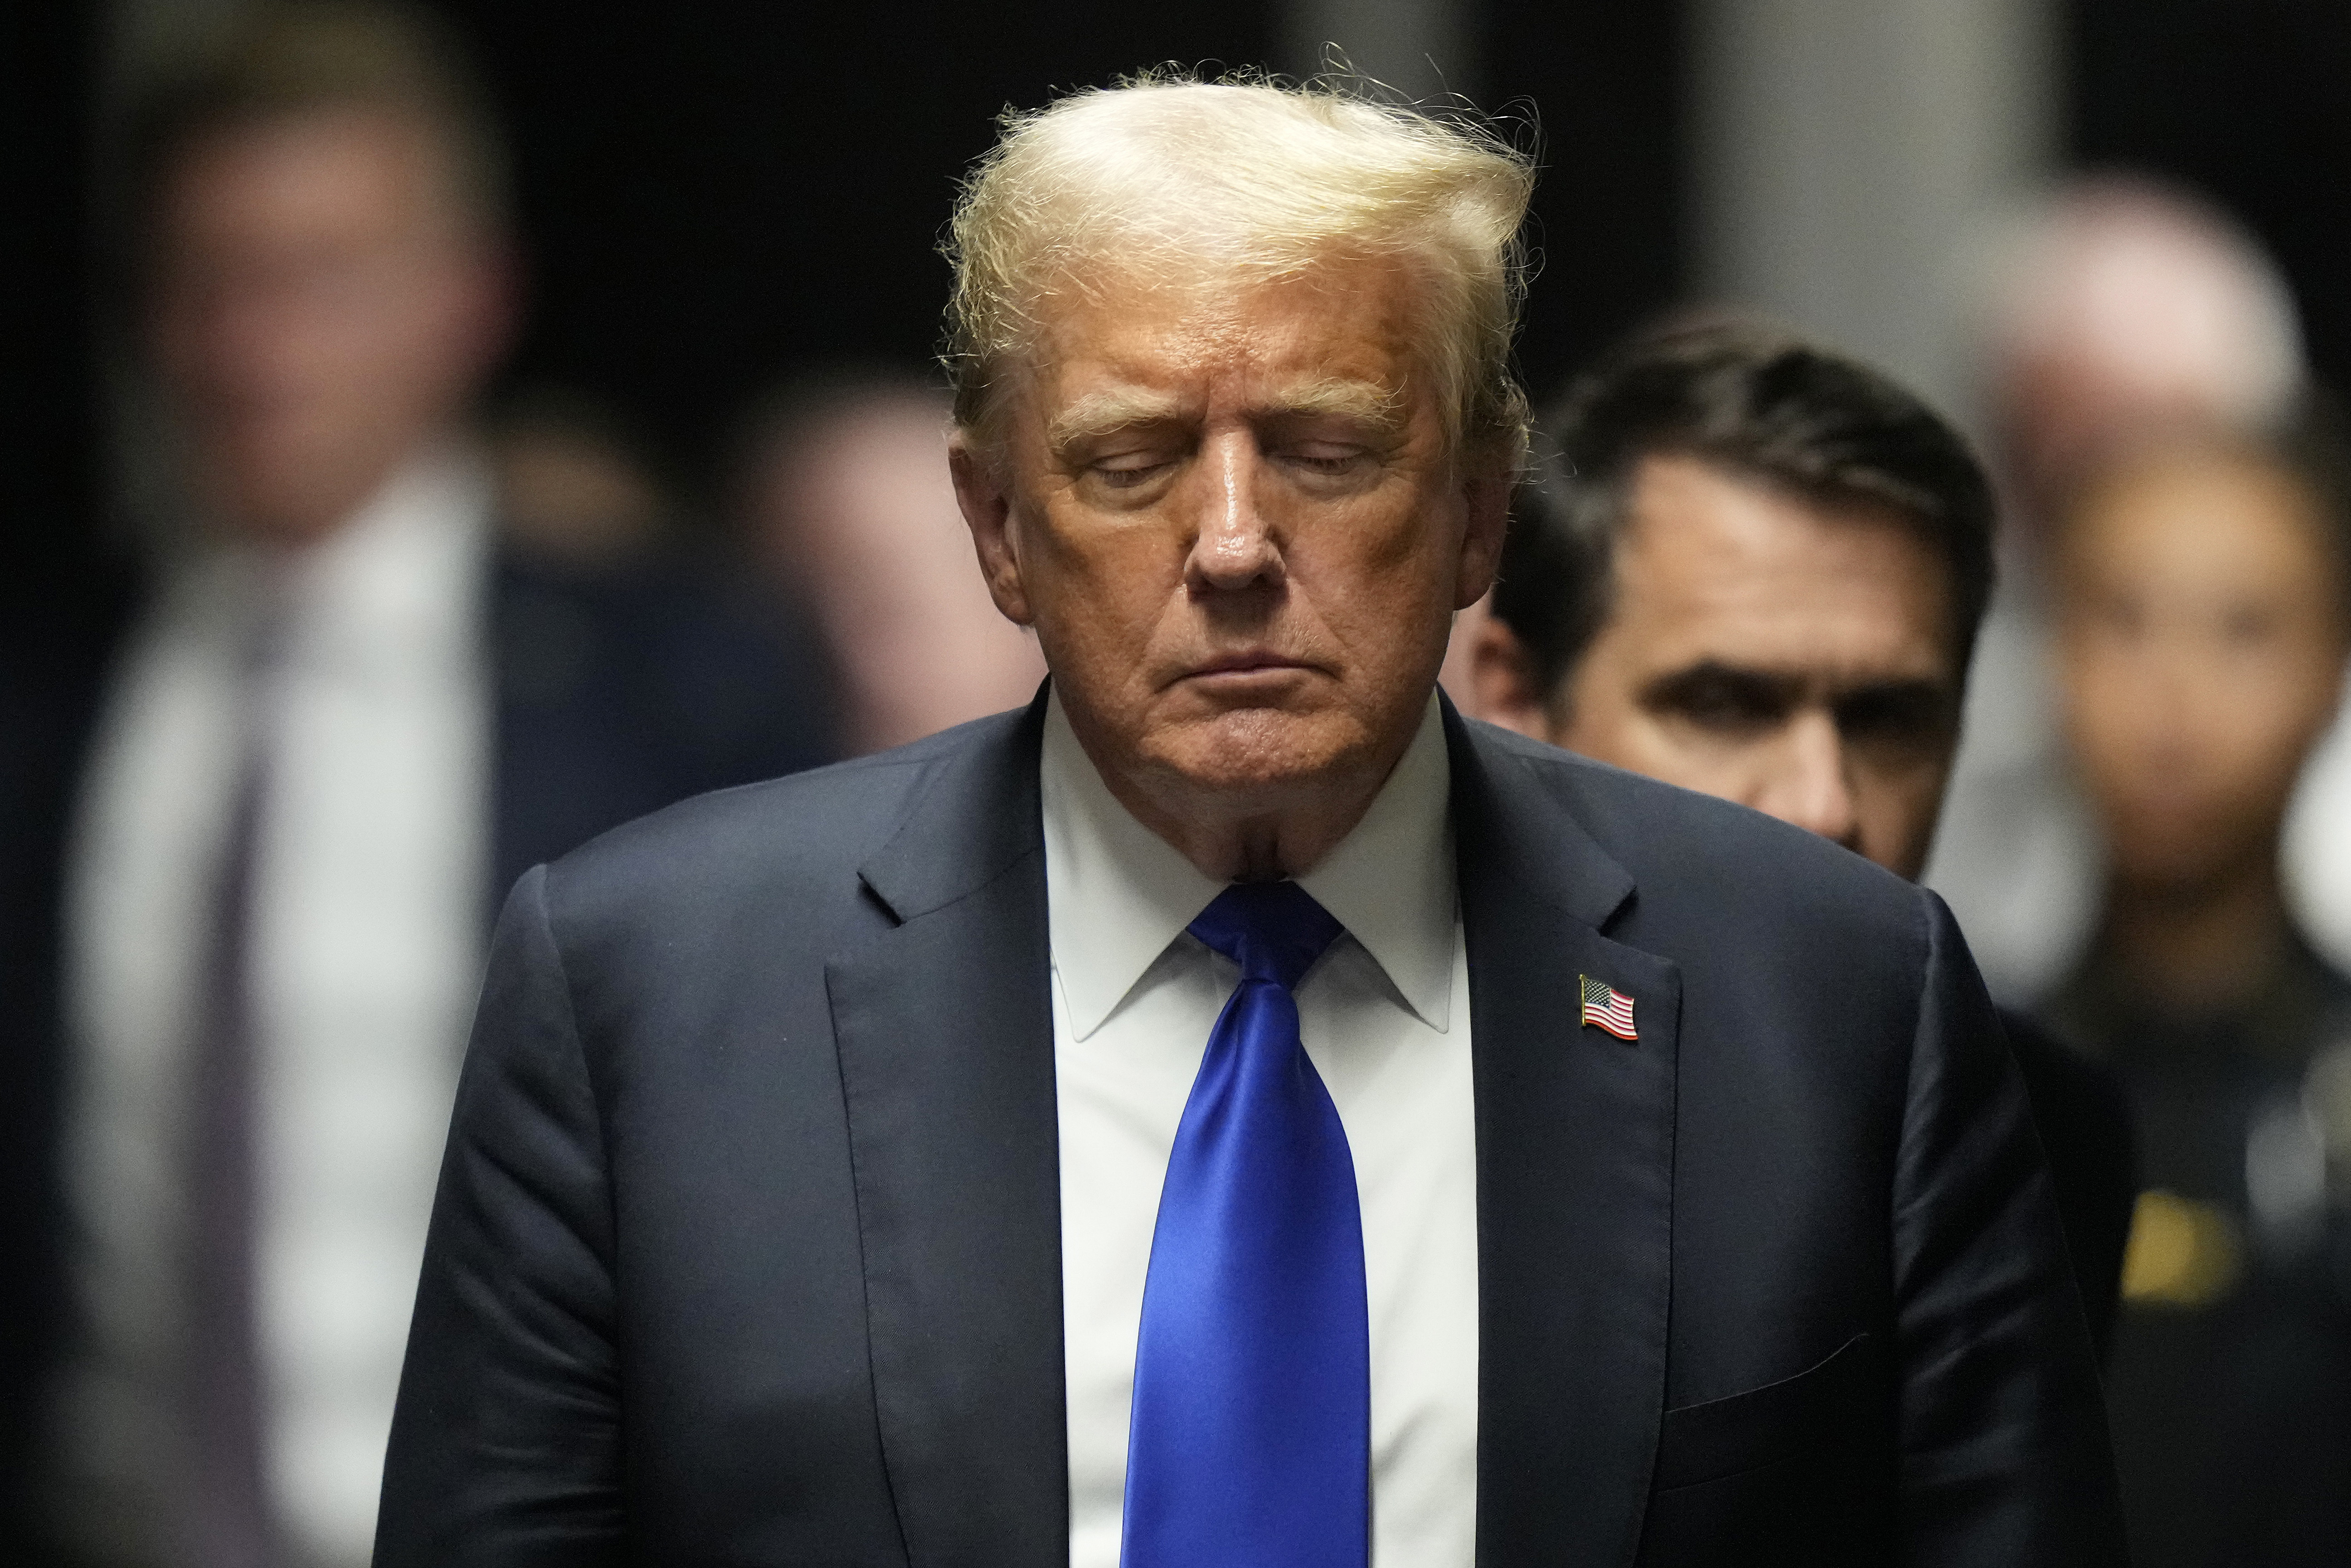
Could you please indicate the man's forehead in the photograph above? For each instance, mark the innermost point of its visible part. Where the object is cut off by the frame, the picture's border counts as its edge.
(1716, 569)
(334, 165)
(1341, 317)
(1700, 528)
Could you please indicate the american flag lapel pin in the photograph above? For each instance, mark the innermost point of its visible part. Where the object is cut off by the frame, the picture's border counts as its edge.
(1606, 1007)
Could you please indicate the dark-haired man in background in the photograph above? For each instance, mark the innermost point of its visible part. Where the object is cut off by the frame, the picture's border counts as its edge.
(1756, 569)
(341, 717)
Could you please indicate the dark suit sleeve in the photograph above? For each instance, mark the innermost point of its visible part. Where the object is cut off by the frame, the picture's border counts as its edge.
(506, 1443)
(2004, 1453)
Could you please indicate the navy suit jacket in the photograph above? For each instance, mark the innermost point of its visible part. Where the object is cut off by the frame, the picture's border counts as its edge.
(747, 1248)
(612, 698)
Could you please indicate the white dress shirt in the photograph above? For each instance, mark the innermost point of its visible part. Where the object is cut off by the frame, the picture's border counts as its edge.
(1384, 1016)
(365, 957)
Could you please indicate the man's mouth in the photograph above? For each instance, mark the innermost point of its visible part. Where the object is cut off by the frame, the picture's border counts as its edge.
(1245, 663)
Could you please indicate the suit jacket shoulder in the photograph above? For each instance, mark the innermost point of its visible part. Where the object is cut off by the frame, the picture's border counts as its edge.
(1683, 851)
(1829, 1284)
(760, 1089)
(801, 840)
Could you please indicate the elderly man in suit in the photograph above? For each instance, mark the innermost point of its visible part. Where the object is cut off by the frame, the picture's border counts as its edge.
(1233, 1111)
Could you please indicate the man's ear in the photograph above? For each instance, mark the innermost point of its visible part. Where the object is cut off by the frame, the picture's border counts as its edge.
(986, 504)
(1509, 691)
(1489, 506)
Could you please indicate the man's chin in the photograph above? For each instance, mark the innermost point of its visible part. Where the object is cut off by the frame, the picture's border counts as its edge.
(1269, 752)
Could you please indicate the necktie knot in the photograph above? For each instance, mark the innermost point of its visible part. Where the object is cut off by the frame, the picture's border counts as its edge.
(1273, 930)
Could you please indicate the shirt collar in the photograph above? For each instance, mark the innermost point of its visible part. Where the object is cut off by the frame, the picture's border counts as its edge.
(1118, 894)
(1390, 881)
(393, 579)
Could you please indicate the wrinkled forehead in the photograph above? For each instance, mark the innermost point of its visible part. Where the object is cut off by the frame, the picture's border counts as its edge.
(1341, 335)
(1719, 564)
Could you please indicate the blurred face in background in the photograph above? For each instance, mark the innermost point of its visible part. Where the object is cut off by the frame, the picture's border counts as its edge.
(2129, 308)
(322, 305)
(1231, 512)
(2201, 641)
(852, 513)
(1763, 649)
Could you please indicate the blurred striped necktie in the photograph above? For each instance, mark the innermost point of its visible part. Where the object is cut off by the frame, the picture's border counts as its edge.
(224, 1514)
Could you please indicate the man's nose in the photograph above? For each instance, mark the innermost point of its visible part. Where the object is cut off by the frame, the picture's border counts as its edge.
(1236, 546)
(1812, 786)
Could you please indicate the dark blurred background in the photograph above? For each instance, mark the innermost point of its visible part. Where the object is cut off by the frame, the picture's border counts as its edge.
(728, 216)
(713, 194)
(716, 194)
(2244, 102)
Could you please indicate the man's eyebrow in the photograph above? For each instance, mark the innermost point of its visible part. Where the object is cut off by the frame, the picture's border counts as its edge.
(1891, 686)
(1102, 413)
(1712, 681)
(1379, 407)
(1713, 678)
(1919, 693)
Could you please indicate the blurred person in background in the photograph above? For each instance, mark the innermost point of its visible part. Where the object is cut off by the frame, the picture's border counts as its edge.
(1756, 569)
(2123, 305)
(845, 503)
(574, 489)
(343, 716)
(2113, 306)
(2202, 599)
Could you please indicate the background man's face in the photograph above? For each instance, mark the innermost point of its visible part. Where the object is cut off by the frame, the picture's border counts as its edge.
(1793, 660)
(1229, 512)
(319, 308)
(2200, 647)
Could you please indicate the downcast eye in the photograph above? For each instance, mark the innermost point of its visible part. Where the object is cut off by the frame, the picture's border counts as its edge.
(1127, 478)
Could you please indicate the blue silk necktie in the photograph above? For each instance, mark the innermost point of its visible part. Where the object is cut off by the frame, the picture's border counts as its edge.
(1250, 1441)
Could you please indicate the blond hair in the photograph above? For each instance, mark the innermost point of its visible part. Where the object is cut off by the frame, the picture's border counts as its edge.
(1167, 176)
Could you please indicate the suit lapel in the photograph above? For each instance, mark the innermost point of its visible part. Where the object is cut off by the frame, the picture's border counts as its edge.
(944, 1026)
(1575, 1133)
